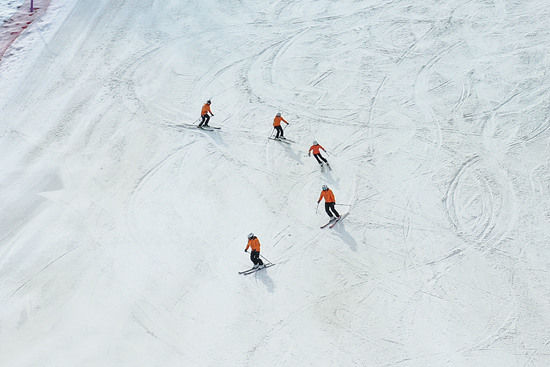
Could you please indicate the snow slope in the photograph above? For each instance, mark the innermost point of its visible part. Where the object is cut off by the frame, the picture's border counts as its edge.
(122, 233)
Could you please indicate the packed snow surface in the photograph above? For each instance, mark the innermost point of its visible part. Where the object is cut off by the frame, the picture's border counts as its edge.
(8, 8)
(121, 233)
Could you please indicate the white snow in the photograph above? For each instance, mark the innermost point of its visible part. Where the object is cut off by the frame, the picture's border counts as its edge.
(8, 8)
(121, 235)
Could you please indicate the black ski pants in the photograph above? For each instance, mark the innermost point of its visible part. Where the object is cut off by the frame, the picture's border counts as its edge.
(330, 207)
(279, 131)
(255, 257)
(205, 119)
(319, 157)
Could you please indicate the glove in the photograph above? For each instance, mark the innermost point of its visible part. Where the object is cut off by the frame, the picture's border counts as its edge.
(318, 201)
(212, 114)
(245, 250)
(309, 154)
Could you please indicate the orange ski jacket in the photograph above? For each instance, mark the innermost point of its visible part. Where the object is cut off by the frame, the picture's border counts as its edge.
(277, 121)
(316, 148)
(327, 195)
(205, 109)
(254, 244)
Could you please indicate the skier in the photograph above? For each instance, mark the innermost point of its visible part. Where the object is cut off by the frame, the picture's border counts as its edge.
(254, 244)
(204, 114)
(277, 125)
(329, 202)
(317, 153)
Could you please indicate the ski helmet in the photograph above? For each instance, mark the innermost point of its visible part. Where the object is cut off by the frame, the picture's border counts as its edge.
(325, 187)
(278, 114)
(250, 235)
(315, 142)
(209, 101)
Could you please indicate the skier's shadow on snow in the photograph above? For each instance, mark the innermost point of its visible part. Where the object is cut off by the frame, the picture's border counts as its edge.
(345, 236)
(292, 154)
(328, 177)
(266, 279)
(217, 137)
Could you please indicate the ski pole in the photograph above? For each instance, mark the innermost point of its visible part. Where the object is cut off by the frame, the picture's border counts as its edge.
(266, 259)
(343, 204)
(317, 208)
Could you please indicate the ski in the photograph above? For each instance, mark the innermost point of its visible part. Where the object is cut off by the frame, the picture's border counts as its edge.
(253, 270)
(246, 271)
(258, 269)
(281, 140)
(338, 220)
(323, 169)
(206, 128)
(329, 222)
(190, 126)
